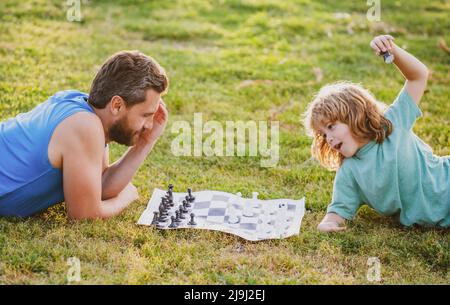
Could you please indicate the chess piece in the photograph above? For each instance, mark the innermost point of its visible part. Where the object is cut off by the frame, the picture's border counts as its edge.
(233, 217)
(155, 218)
(183, 209)
(177, 218)
(255, 202)
(162, 210)
(181, 212)
(168, 200)
(162, 213)
(173, 223)
(186, 203)
(248, 208)
(190, 198)
(387, 57)
(192, 222)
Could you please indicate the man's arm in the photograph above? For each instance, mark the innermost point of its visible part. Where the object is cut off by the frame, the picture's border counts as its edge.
(415, 72)
(119, 174)
(82, 171)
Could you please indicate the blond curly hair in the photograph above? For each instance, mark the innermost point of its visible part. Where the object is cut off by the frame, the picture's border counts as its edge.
(347, 103)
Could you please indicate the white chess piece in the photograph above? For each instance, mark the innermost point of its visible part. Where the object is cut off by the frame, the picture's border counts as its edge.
(255, 203)
(233, 216)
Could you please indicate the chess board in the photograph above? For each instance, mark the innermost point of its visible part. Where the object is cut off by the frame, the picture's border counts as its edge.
(267, 219)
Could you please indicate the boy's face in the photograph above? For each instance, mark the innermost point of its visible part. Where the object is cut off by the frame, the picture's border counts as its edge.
(340, 139)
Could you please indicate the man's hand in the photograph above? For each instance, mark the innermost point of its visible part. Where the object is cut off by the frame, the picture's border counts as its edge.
(160, 118)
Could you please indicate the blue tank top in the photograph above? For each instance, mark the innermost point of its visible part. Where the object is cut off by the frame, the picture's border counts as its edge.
(28, 182)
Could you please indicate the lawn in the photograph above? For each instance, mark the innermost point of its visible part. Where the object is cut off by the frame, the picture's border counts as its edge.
(211, 51)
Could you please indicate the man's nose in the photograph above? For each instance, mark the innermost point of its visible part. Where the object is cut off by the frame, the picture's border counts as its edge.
(148, 125)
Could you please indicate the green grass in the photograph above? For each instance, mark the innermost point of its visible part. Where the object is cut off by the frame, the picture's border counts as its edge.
(208, 48)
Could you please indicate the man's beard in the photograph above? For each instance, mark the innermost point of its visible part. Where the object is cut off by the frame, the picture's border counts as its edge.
(121, 133)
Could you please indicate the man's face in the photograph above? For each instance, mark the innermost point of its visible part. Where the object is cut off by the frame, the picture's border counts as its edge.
(340, 139)
(135, 119)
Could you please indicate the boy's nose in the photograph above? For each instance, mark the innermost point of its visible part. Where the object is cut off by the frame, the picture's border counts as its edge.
(330, 140)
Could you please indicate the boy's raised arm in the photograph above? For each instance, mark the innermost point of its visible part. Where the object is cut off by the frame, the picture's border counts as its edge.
(415, 72)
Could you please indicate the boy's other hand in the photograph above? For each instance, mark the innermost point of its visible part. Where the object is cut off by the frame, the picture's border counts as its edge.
(330, 226)
(382, 43)
(332, 222)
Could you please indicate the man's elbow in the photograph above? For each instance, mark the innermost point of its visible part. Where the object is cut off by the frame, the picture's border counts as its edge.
(78, 215)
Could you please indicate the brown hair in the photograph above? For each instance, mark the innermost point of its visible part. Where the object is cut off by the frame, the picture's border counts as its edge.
(350, 104)
(127, 74)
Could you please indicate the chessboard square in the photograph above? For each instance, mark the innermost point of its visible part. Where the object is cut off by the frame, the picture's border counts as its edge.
(218, 204)
(216, 212)
(291, 207)
(238, 206)
(215, 219)
(202, 204)
(248, 226)
(223, 198)
(201, 212)
(249, 220)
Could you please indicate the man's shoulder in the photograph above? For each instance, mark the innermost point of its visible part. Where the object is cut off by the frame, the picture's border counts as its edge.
(69, 94)
(81, 128)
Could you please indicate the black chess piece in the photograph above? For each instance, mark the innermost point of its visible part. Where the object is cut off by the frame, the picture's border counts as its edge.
(192, 221)
(186, 204)
(169, 200)
(162, 214)
(155, 218)
(387, 57)
(163, 202)
(173, 223)
(163, 210)
(168, 203)
(177, 218)
(181, 212)
(183, 208)
(191, 198)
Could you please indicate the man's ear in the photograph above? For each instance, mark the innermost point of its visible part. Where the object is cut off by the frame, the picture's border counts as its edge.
(117, 105)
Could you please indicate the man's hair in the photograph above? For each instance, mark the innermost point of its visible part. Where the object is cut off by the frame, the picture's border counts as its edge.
(350, 104)
(128, 74)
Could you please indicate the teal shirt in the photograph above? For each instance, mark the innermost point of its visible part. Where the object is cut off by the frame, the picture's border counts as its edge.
(400, 175)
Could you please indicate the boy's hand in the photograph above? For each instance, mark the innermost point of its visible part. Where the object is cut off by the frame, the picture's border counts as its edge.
(332, 222)
(382, 43)
(330, 226)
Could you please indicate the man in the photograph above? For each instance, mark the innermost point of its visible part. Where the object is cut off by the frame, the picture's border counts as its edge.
(58, 151)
